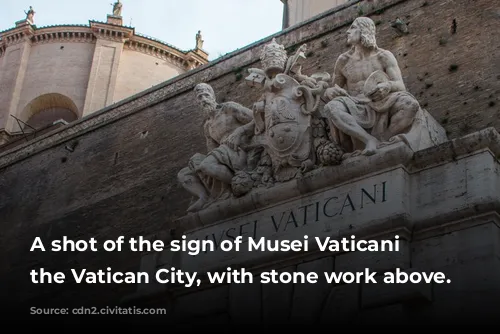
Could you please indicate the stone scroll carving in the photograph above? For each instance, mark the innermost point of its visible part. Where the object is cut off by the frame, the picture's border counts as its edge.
(290, 130)
(287, 119)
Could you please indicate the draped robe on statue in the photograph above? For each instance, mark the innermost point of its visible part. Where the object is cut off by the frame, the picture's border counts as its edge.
(371, 116)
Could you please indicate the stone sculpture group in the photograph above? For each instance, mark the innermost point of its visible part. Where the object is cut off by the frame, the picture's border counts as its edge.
(287, 133)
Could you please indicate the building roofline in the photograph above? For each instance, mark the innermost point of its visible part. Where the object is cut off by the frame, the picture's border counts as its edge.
(153, 39)
(92, 22)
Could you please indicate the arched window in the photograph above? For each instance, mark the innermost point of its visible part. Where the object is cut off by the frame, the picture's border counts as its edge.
(46, 109)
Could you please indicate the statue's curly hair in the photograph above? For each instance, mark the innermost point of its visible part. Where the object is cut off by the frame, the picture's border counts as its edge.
(367, 27)
(204, 88)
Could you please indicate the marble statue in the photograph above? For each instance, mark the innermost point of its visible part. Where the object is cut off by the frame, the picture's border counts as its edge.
(287, 121)
(117, 8)
(199, 40)
(227, 127)
(30, 15)
(368, 106)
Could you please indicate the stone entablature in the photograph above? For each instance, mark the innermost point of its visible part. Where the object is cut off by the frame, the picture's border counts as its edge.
(155, 48)
(89, 34)
(15, 35)
(63, 34)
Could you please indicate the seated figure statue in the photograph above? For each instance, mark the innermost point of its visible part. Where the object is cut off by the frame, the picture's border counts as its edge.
(226, 127)
(368, 105)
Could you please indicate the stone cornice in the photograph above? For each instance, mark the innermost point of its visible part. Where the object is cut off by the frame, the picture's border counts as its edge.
(18, 35)
(163, 51)
(185, 60)
(197, 57)
(111, 31)
(154, 51)
(63, 34)
(148, 45)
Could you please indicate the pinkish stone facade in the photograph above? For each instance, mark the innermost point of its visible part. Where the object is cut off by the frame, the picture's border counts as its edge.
(77, 70)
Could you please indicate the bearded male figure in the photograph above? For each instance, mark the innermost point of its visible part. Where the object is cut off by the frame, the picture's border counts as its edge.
(226, 126)
(369, 105)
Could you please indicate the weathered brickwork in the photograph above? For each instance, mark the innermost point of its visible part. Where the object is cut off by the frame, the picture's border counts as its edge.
(120, 179)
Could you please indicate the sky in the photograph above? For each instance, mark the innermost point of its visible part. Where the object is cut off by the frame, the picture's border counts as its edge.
(226, 25)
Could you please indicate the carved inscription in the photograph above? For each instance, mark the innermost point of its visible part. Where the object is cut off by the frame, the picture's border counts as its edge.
(282, 222)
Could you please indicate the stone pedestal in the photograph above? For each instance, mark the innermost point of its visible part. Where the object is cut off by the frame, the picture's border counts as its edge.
(22, 23)
(116, 20)
(443, 203)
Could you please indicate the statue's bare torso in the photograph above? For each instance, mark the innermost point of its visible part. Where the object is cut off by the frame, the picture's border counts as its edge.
(222, 124)
(352, 71)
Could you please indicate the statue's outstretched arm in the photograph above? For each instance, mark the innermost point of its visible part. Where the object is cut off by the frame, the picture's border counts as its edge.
(242, 114)
(248, 129)
(245, 117)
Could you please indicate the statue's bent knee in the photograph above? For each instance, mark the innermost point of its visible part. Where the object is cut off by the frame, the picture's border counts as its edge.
(334, 110)
(205, 166)
(184, 176)
(407, 103)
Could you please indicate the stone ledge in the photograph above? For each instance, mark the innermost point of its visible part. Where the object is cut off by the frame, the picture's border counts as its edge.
(486, 139)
